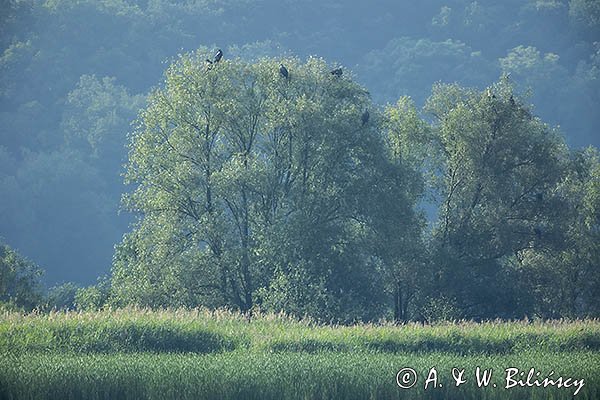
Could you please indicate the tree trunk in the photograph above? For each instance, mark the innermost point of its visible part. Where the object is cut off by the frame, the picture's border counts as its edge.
(399, 307)
(246, 278)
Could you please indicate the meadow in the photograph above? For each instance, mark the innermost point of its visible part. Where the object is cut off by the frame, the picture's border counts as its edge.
(199, 354)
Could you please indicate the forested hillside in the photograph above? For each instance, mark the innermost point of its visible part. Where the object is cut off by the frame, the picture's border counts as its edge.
(74, 75)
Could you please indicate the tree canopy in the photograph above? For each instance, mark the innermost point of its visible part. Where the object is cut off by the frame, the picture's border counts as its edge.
(259, 190)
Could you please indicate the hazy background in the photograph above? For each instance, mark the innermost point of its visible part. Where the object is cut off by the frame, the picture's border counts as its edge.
(74, 73)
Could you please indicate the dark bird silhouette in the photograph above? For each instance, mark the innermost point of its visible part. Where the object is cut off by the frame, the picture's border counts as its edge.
(511, 100)
(337, 72)
(283, 71)
(218, 55)
(365, 117)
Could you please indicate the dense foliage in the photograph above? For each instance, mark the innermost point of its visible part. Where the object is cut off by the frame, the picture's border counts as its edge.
(249, 190)
(257, 189)
(74, 73)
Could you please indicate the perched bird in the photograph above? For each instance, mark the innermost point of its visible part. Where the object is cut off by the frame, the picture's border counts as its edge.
(337, 72)
(218, 55)
(365, 117)
(511, 100)
(283, 71)
(490, 94)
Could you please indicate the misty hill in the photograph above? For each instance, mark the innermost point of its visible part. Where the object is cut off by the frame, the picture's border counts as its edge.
(73, 75)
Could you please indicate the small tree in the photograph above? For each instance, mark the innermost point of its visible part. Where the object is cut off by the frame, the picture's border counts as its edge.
(61, 297)
(19, 280)
(93, 297)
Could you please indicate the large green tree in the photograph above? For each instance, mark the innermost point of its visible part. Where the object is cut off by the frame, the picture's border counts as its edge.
(496, 178)
(259, 189)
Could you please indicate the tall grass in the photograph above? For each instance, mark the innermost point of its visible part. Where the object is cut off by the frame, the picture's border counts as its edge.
(199, 354)
(256, 375)
(202, 331)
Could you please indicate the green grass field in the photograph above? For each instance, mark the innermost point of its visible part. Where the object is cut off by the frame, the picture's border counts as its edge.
(138, 354)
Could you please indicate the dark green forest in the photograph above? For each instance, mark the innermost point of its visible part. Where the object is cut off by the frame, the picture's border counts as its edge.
(450, 171)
